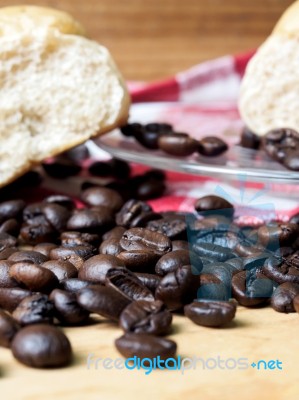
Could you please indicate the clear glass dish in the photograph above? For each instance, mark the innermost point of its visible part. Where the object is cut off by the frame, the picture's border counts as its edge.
(222, 120)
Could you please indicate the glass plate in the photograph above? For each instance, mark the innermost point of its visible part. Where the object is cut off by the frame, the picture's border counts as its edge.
(220, 120)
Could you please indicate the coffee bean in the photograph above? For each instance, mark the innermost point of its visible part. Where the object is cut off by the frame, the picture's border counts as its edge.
(130, 129)
(33, 276)
(44, 248)
(177, 144)
(213, 251)
(214, 203)
(61, 169)
(91, 221)
(8, 328)
(10, 298)
(146, 317)
(178, 288)
(149, 189)
(5, 280)
(73, 285)
(28, 256)
(148, 139)
(130, 210)
(275, 236)
(114, 233)
(210, 313)
(180, 245)
(246, 249)
(67, 309)
(71, 239)
(38, 231)
(120, 168)
(11, 209)
(147, 346)
(42, 346)
(211, 146)
(144, 239)
(111, 247)
(249, 139)
(158, 127)
(150, 281)
(142, 219)
(211, 288)
(95, 268)
(172, 261)
(76, 255)
(283, 296)
(7, 241)
(103, 300)
(281, 271)
(6, 253)
(61, 269)
(62, 200)
(101, 196)
(34, 309)
(173, 228)
(139, 260)
(124, 281)
(10, 226)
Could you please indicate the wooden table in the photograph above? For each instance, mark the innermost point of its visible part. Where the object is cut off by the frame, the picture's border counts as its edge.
(150, 40)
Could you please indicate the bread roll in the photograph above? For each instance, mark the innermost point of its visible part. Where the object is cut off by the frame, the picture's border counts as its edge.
(58, 88)
(269, 96)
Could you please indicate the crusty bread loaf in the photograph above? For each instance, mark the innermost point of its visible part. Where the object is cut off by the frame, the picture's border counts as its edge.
(269, 97)
(58, 89)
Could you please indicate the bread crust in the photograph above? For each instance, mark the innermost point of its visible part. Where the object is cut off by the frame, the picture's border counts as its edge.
(288, 23)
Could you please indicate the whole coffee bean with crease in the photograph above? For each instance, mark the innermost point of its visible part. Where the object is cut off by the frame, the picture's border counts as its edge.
(10, 298)
(125, 282)
(151, 281)
(56, 215)
(172, 261)
(42, 346)
(102, 196)
(131, 210)
(147, 346)
(211, 146)
(72, 238)
(34, 309)
(150, 189)
(67, 309)
(61, 269)
(282, 270)
(28, 256)
(95, 268)
(6, 253)
(283, 296)
(247, 249)
(61, 168)
(103, 300)
(44, 248)
(148, 139)
(173, 228)
(211, 288)
(278, 142)
(5, 279)
(33, 276)
(146, 317)
(62, 200)
(91, 221)
(8, 328)
(278, 235)
(111, 247)
(73, 285)
(213, 251)
(139, 260)
(210, 313)
(158, 127)
(178, 288)
(144, 239)
(142, 219)
(7, 241)
(10, 226)
(214, 203)
(38, 231)
(11, 209)
(114, 233)
(130, 129)
(249, 139)
(76, 255)
(177, 144)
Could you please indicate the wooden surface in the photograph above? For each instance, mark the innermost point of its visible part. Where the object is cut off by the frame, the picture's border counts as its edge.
(149, 40)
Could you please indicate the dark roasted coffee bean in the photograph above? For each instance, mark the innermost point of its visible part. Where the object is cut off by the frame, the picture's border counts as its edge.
(155, 174)
(73, 285)
(213, 203)
(151, 281)
(144, 239)
(223, 272)
(130, 129)
(34, 309)
(5, 280)
(281, 271)
(114, 233)
(210, 313)
(67, 309)
(180, 245)
(111, 247)
(61, 169)
(148, 139)
(56, 215)
(10, 226)
(283, 296)
(8, 328)
(11, 297)
(95, 268)
(28, 256)
(277, 143)
(142, 219)
(211, 288)
(139, 260)
(146, 346)
(173, 228)
(131, 210)
(101, 196)
(120, 168)
(62, 200)
(254, 261)
(76, 154)
(7, 241)
(6, 253)
(91, 221)
(246, 249)
(71, 239)
(146, 317)
(42, 346)
(249, 139)
(150, 189)
(211, 146)
(213, 251)
(278, 235)
(100, 168)
(103, 300)
(33, 276)
(61, 269)
(76, 255)
(37, 232)
(158, 127)
(11, 209)
(251, 289)
(124, 281)
(172, 261)
(178, 288)
(177, 144)
(44, 248)
(238, 263)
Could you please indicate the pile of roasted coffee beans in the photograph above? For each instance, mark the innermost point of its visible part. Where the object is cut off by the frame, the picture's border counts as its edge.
(281, 145)
(118, 258)
(161, 136)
